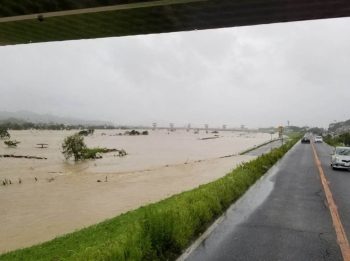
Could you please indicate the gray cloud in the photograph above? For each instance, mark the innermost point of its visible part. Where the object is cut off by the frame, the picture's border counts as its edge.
(257, 76)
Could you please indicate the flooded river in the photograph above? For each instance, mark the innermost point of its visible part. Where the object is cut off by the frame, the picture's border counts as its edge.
(57, 196)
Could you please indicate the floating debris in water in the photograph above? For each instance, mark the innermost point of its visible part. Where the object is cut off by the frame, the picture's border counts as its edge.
(21, 157)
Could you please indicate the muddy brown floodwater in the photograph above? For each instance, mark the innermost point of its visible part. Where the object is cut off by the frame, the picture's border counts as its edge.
(57, 196)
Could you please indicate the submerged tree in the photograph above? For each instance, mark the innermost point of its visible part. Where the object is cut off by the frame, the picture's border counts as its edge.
(4, 134)
(74, 146)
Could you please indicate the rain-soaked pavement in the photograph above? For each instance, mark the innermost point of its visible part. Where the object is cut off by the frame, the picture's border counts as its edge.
(282, 217)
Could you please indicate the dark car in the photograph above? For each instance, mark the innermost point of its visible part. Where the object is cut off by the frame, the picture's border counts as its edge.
(305, 140)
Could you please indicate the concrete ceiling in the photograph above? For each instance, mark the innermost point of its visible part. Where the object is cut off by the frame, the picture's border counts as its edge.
(56, 20)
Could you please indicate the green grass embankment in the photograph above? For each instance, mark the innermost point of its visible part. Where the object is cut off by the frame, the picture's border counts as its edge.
(159, 231)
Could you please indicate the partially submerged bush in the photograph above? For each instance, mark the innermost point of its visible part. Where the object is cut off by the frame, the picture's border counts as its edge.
(11, 143)
(4, 134)
(93, 153)
(86, 132)
(132, 133)
(122, 153)
(74, 146)
(135, 133)
(96, 153)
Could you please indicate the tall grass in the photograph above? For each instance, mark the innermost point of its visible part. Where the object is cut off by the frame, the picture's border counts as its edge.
(158, 231)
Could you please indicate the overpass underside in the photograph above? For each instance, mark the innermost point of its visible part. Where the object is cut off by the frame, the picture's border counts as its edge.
(88, 19)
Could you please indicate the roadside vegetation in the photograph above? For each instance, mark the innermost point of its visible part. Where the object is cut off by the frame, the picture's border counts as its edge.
(159, 231)
(338, 140)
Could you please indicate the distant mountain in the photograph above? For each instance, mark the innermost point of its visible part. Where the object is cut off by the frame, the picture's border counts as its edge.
(20, 116)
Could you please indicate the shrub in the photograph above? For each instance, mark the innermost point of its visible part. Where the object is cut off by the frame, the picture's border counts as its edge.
(74, 146)
(86, 132)
(4, 134)
(342, 139)
(132, 133)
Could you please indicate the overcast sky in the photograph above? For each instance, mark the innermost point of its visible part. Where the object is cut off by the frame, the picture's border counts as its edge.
(258, 76)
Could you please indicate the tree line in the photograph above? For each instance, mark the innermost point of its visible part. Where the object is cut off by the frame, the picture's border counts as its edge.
(9, 125)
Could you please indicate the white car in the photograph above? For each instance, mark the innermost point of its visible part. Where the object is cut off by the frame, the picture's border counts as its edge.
(341, 158)
(318, 139)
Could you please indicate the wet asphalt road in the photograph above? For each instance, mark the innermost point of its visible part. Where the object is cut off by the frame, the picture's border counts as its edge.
(291, 222)
(339, 182)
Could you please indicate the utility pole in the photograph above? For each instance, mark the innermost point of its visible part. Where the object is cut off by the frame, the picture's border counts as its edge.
(271, 132)
(280, 133)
